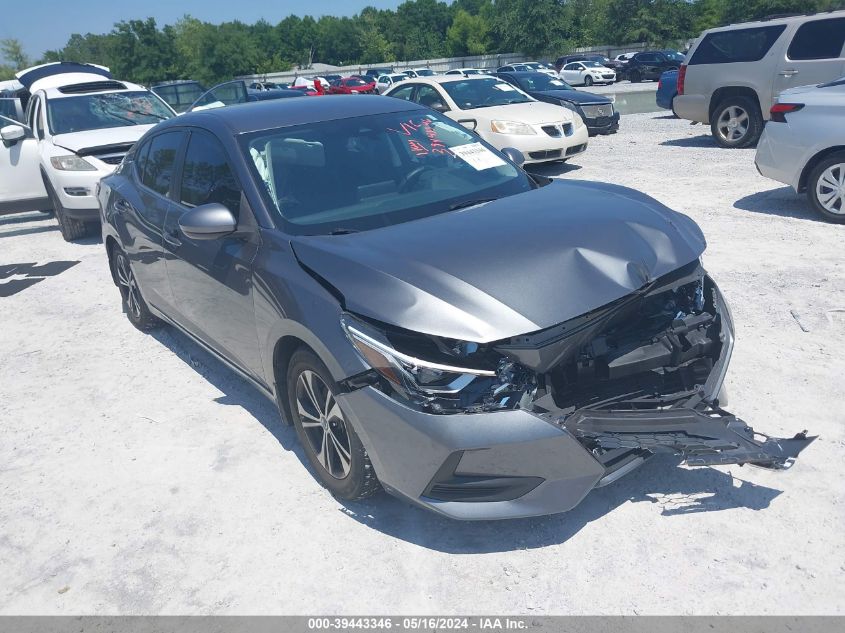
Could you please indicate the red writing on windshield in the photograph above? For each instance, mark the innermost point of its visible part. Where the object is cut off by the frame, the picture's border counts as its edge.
(426, 141)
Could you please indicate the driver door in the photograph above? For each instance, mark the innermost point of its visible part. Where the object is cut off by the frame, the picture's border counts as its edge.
(21, 186)
(571, 73)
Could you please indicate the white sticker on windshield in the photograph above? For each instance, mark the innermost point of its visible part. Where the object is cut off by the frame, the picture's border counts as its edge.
(504, 87)
(478, 156)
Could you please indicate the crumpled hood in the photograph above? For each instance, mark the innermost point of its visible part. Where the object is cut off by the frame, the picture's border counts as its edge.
(78, 141)
(509, 267)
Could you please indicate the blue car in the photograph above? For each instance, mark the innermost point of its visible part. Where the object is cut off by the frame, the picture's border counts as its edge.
(667, 88)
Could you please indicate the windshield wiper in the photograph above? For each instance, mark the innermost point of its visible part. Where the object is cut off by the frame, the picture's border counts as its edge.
(152, 114)
(342, 231)
(470, 203)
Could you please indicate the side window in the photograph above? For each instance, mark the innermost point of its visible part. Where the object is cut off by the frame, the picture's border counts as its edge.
(37, 123)
(141, 160)
(819, 39)
(572, 67)
(738, 45)
(207, 176)
(161, 158)
(429, 97)
(404, 92)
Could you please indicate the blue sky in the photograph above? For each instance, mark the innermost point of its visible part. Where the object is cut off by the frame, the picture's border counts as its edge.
(46, 24)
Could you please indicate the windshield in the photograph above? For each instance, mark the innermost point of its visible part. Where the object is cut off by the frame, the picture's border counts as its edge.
(674, 56)
(541, 81)
(483, 93)
(99, 111)
(589, 64)
(355, 82)
(424, 72)
(367, 172)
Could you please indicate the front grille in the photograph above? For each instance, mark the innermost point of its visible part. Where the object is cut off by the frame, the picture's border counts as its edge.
(549, 154)
(111, 159)
(598, 110)
(608, 76)
(576, 149)
(552, 130)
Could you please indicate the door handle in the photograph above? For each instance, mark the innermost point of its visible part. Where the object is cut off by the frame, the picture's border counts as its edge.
(122, 206)
(172, 238)
(789, 72)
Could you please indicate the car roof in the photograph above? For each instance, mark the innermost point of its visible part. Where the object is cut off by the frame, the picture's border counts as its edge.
(265, 115)
(445, 79)
(777, 20)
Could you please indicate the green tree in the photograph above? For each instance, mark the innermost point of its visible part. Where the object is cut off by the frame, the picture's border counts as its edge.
(468, 35)
(533, 27)
(11, 50)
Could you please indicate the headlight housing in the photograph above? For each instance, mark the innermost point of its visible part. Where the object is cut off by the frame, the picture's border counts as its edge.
(71, 163)
(511, 127)
(568, 105)
(440, 386)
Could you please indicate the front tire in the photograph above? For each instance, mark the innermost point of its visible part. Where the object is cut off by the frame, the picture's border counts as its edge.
(134, 306)
(636, 77)
(826, 188)
(70, 229)
(736, 123)
(588, 81)
(333, 448)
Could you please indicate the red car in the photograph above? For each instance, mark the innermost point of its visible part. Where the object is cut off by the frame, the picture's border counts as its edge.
(351, 86)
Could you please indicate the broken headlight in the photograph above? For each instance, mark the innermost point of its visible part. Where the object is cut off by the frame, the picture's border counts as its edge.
(439, 375)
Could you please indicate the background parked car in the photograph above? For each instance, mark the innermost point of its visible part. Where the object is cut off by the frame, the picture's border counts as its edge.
(179, 95)
(667, 88)
(649, 65)
(386, 81)
(803, 145)
(378, 72)
(352, 86)
(419, 72)
(587, 73)
(514, 68)
(12, 97)
(597, 111)
(501, 114)
(80, 123)
(733, 74)
(467, 72)
(542, 67)
(235, 92)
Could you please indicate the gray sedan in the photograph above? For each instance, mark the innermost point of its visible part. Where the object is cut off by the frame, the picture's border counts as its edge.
(431, 319)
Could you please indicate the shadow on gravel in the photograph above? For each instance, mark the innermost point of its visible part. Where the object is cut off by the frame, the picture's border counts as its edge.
(704, 140)
(674, 491)
(28, 231)
(782, 202)
(237, 391)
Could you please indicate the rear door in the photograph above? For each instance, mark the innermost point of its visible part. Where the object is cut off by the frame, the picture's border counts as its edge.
(815, 55)
(142, 205)
(212, 279)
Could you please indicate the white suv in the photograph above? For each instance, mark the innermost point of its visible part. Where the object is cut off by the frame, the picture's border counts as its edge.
(732, 75)
(79, 124)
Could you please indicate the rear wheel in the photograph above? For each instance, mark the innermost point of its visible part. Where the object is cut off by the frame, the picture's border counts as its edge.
(130, 293)
(336, 454)
(736, 122)
(826, 188)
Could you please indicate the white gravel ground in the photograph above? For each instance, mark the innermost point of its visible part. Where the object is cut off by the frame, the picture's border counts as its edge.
(137, 475)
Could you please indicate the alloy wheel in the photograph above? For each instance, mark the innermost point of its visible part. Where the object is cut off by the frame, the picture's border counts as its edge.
(733, 124)
(323, 424)
(128, 285)
(830, 189)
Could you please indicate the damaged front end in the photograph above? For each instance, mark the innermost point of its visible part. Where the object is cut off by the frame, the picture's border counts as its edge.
(638, 376)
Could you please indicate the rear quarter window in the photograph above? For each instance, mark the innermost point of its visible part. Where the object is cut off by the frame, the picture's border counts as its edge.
(819, 39)
(739, 45)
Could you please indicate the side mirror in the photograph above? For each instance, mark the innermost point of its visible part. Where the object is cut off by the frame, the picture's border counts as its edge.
(439, 106)
(208, 222)
(515, 155)
(470, 124)
(11, 134)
